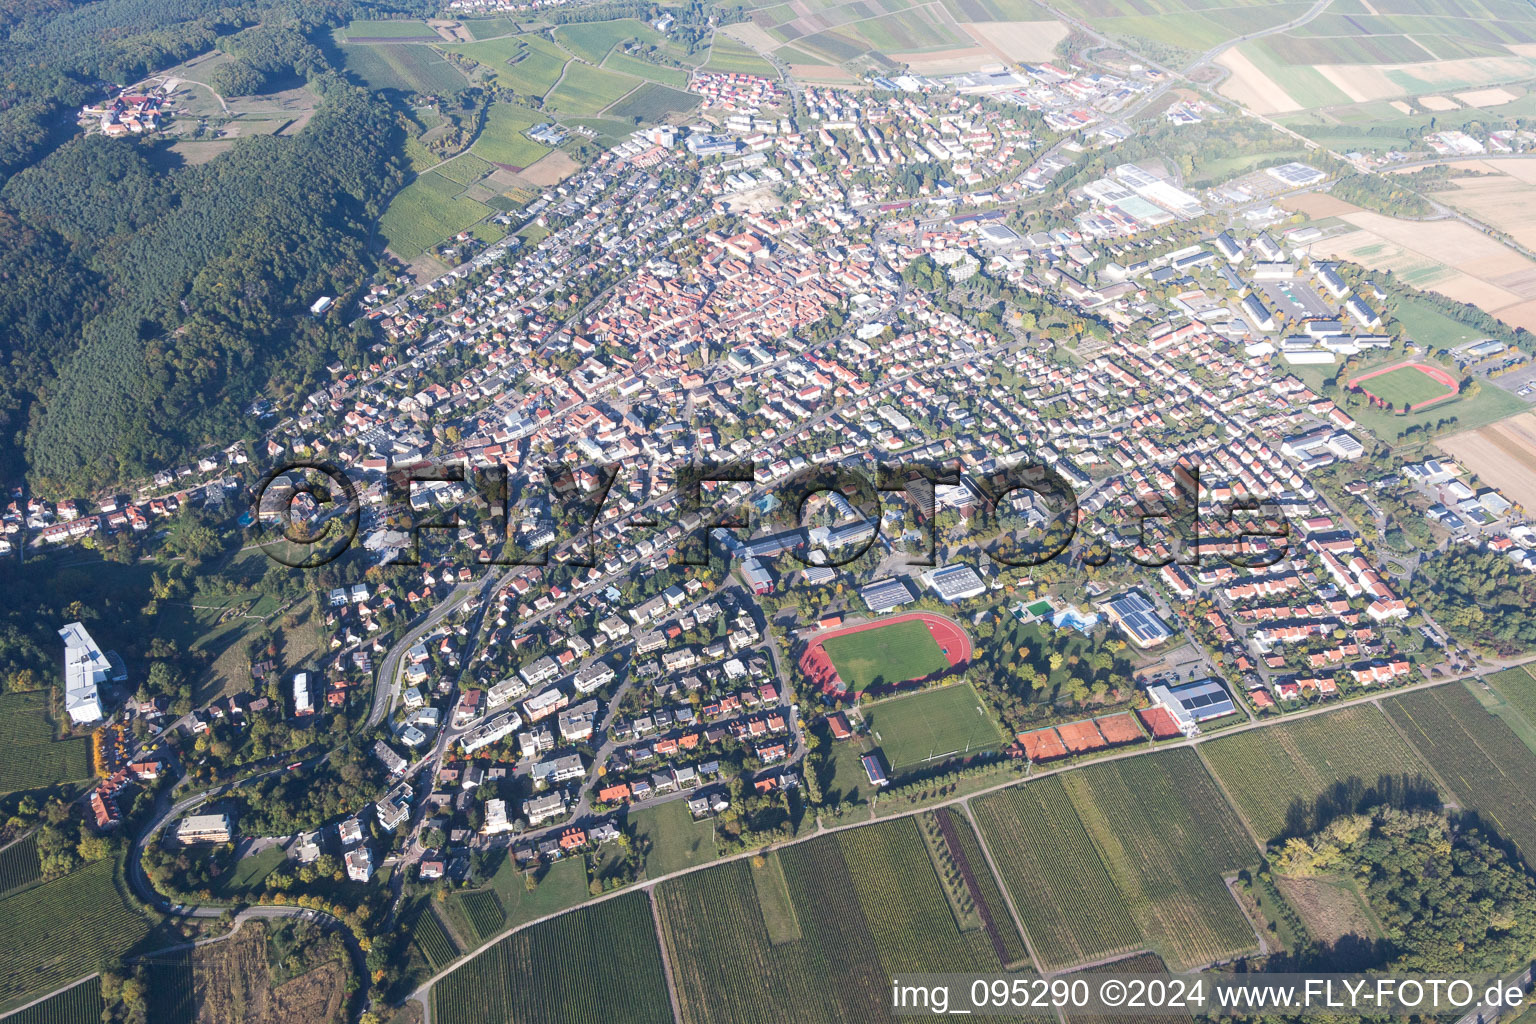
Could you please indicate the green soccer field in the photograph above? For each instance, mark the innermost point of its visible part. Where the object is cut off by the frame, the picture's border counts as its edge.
(921, 728)
(890, 654)
(1404, 386)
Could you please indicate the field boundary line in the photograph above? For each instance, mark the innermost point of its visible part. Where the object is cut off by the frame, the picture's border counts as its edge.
(666, 960)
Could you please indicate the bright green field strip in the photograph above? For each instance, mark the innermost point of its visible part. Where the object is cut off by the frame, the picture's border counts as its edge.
(726, 55)
(592, 40)
(587, 90)
(390, 30)
(1168, 837)
(465, 168)
(406, 67)
(502, 140)
(931, 725)
(890, 654)
(625, 64)
(1305, 85)
(1070, 906)
(426, 212)
(527, 64)
(489, 28)
(1283, 776)
(1518, 687)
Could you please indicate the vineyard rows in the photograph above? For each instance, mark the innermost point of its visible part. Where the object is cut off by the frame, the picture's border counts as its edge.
(53, 933)
(909, 917)
(19, 864)
(1068, 902)
(868, 903)
(1479, 757)
(36, 759)
(484, 912)
(1277, 776)
(431, 938)
(79, 1005)
(597, 965)
(988, 894)
(1167, 836)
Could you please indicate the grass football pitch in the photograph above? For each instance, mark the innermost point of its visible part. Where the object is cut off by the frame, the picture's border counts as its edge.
(890, 654)
(919, 727)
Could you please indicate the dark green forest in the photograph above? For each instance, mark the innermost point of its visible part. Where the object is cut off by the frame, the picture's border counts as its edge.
(146, 302)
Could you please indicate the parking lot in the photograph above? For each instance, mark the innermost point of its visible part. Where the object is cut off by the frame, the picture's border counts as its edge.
(1296, 299)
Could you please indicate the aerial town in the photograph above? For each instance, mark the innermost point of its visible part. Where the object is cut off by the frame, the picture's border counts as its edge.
(831, 470)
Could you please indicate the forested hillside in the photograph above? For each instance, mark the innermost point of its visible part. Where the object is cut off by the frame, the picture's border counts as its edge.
(146, 303)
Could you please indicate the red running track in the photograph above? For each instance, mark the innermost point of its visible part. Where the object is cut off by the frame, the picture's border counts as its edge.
(817, 667)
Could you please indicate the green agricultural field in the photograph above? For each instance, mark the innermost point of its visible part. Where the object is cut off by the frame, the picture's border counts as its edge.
(490, 28)
(405, 67)
(675, 840)
(728, 55)
(932, 725)
(527, 64)
(891, 654)
(592, 40)
(653, 102)
(1069, 904)
(427, 211)
(587, 90)
(78, 1005)
(625, 64)
(596, 965)
(1404, 387)
(358, 31)
(868, 905)
(53, 933)
(1287, 779)
(909, 32)
(983, 885)
(502, 140)
(465, 169)
(773, 899)
(1488, 769)
(35, 759)
(1167, 837)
